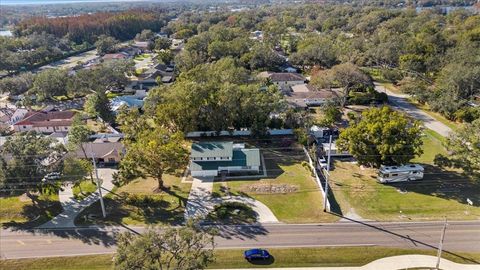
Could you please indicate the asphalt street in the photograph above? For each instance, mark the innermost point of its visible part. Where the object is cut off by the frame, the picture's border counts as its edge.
(400, 101)
(460, 236)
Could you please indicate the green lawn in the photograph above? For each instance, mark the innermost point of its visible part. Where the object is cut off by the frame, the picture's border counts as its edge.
(85, 188)
(138, 203)
(303, 205)
(233, 258)
(432, 146)
(441, 193)
(21, 211)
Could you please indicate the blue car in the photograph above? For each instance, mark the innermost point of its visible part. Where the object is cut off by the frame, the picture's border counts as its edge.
(256, 254)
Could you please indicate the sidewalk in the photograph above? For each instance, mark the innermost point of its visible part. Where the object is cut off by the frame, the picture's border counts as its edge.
(395, 263)
(200, 202)
(72, 207)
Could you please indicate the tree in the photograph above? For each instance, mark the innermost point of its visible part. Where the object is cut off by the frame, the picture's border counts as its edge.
(131, 123)
(162, 43)
(382, 137)
(262, 57)
(98, 105)
(183, 248)
(464, 149)
(75, 170)
(109, 75)
(416, 88)
(145, 35)
(17, 85)
(165, 56)
(216, 96)
(313, 51)
(331, 114)
(347, 76)
(31, 157)
(49, 83)
(154, 153)
(106, 44)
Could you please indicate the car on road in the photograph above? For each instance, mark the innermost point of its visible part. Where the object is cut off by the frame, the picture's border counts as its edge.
(322, 163)
(256, 254)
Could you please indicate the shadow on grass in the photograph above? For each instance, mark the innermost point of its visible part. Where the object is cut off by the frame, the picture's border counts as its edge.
(40, 211)
(406, 237)
(268, 261)
(450, 185)
(146, 209)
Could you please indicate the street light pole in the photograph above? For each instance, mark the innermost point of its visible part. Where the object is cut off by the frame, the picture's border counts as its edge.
(99, 186)
(327, 175)
(440, 246)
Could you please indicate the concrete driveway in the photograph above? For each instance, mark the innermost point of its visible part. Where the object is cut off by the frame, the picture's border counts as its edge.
(200, 202)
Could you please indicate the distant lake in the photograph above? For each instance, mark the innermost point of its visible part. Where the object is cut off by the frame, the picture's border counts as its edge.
(6, 33)
(46, 2)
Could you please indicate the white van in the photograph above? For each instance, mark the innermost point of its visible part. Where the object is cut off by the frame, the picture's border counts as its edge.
(409, 172)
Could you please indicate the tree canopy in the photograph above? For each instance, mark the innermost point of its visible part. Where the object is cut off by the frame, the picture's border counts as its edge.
(183, 248)
(216, 96)
(382, 136)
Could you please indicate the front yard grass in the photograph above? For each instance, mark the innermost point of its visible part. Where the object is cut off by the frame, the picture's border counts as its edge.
(233, 258)
(84, 189)
(303, 204)
(441, 193)
(432, 146)
(137, 203)
(21, 211)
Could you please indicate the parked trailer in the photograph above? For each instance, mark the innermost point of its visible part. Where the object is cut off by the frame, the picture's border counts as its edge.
(409, 172)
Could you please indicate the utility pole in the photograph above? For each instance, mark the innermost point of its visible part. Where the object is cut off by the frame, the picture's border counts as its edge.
(327, 175)
(440, 246)
(99, 186)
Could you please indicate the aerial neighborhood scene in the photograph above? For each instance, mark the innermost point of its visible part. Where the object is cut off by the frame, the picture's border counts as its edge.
(239, 134)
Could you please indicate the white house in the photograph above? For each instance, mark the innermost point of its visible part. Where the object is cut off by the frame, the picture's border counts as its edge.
(284, 80)
(216, 158)
(45, 122)
(305, 95)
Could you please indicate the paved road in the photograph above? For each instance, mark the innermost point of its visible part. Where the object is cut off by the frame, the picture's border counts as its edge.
(460, 236)
(400, 101)
(71, 61)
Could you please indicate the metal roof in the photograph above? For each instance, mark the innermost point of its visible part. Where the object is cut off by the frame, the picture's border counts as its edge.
(212, 149)
(241, 157)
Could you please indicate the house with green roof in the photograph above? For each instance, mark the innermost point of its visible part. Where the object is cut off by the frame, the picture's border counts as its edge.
(217, 158)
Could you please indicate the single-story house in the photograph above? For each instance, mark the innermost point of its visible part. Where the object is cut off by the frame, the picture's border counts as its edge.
(284, 80)
(45, 122)
(142, 45)
(105, 150)
(129, 101)
(304, 95)
(217, 158)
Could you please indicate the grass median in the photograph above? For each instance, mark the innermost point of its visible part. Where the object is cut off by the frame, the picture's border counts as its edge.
(233, 258)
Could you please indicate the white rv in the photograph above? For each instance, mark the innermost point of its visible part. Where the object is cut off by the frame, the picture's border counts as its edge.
(409, 172)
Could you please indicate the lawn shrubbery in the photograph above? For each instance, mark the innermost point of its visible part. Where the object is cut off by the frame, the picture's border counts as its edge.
(233, 212)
